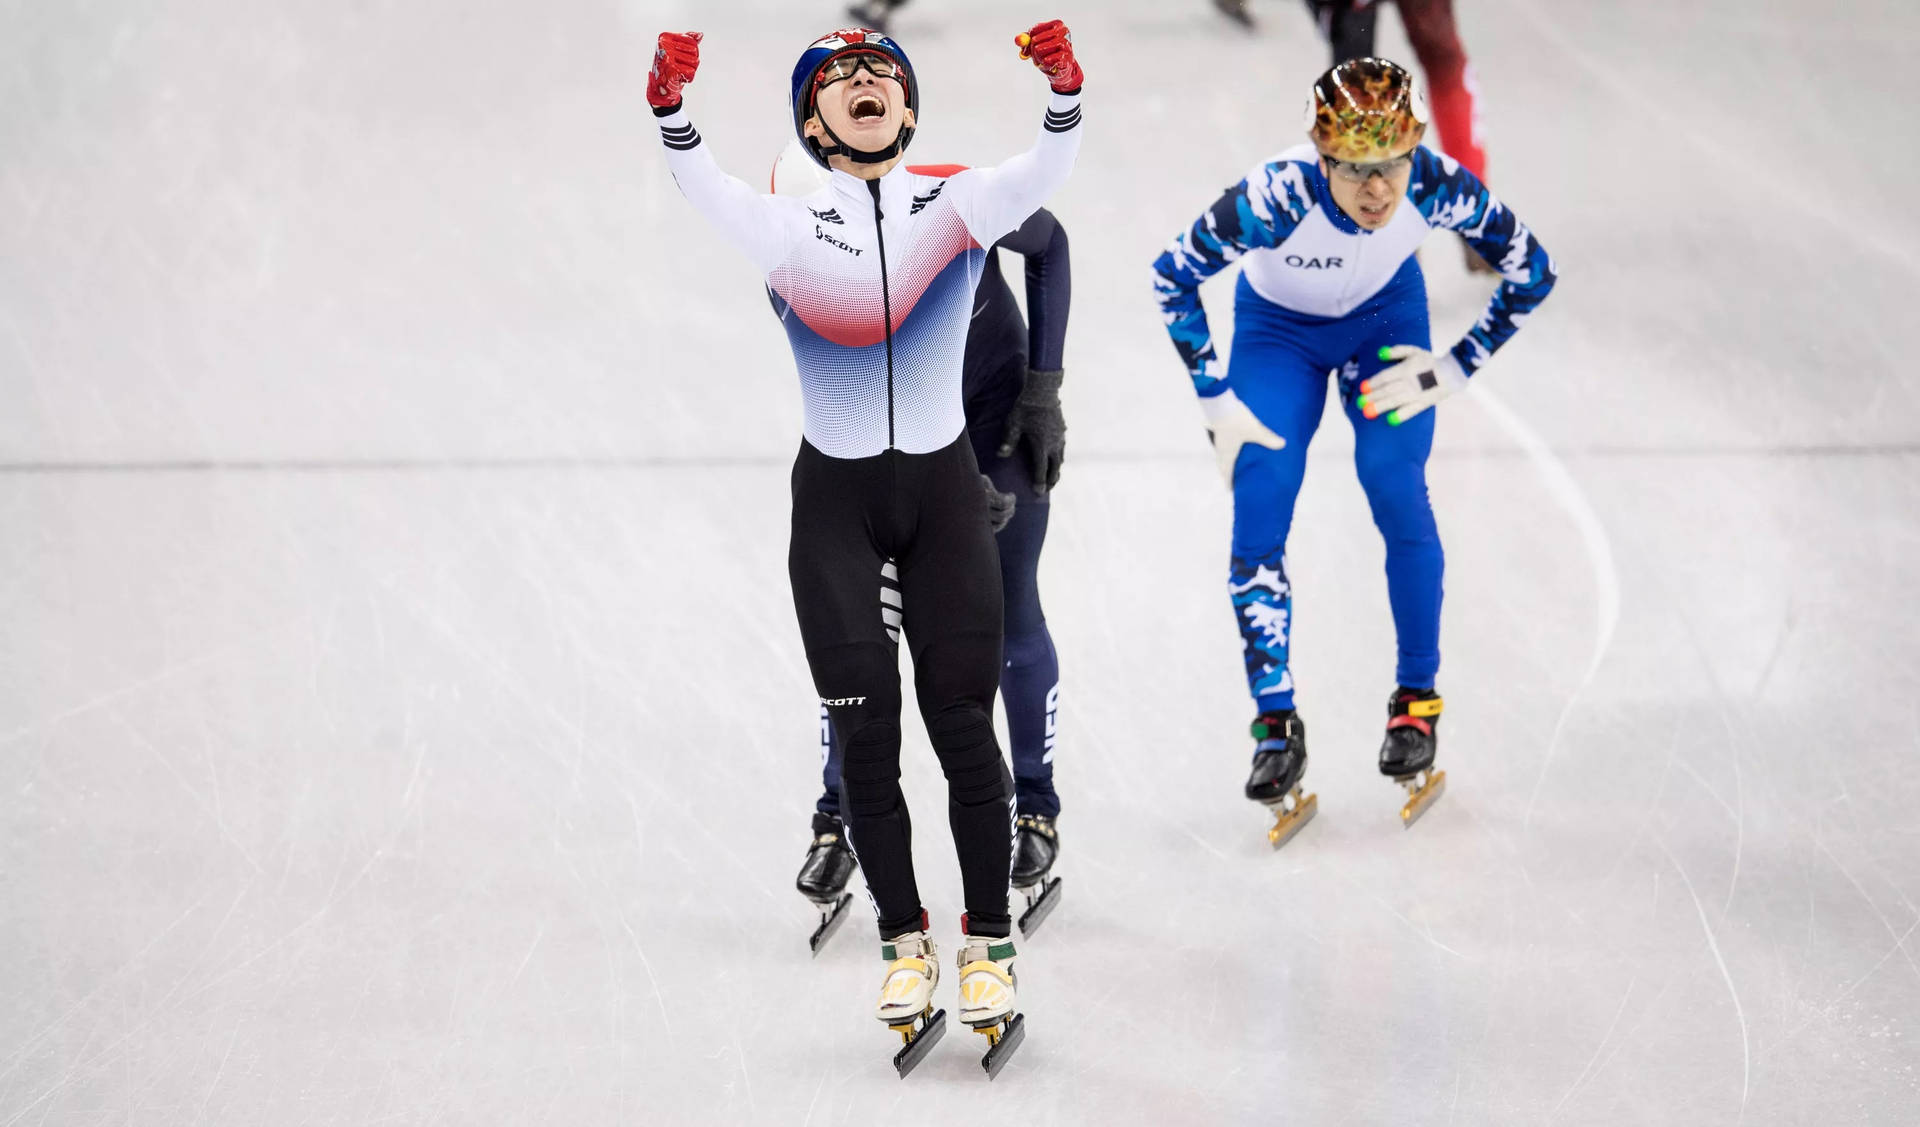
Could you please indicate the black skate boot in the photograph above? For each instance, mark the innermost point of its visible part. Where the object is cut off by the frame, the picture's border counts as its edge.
(1279, 763)
(1036, 843)
(824, 875)
(873, 13)
(1235, 10)
(1406, 756)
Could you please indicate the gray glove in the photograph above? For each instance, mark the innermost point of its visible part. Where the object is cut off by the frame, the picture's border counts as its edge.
(1036, 418)
(999, 505)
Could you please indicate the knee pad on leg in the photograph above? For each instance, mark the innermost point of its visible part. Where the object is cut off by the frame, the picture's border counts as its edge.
(963, 739)
(870, 768)
(872, 747)
(963, 730)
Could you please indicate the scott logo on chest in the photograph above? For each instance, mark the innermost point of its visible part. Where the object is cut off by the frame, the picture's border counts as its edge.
(1315, 263)
(821, 234)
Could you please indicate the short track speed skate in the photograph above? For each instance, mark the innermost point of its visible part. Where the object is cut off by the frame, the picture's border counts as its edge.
(1036, 844)
(906, 997)
(987, 985)
(824, 875)
(873, 13)
(1413, 720)
(1235, 10)
(1279, 763)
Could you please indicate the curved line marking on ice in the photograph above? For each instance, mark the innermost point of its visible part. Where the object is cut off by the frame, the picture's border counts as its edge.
(1567, 493)
(1713, 946)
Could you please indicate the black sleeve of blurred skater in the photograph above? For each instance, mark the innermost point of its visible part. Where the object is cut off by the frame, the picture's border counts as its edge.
(1043, 242)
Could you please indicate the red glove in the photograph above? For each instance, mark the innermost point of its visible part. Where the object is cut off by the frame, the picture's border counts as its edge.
(1050, 46)
(674, 62)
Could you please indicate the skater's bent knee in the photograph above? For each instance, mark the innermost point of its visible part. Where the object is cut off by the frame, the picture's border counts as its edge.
(1392, 471)
(987, 783)
(1263, 544)
(1027, 649)
(960, 729)
(969, 757)
(1402, 502)
(872, 749)
(870, 770)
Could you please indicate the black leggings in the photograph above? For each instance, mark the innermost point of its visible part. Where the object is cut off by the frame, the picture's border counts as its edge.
(928, 513)
(1347, 26)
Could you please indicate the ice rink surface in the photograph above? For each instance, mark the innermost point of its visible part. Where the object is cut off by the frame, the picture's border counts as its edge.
(403, 720)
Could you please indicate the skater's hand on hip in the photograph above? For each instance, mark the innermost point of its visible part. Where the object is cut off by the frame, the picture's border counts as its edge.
(1050, 46)
(1411, 386)
(999, 505)
(1037, 420)
(1232, 425)
(674, 60)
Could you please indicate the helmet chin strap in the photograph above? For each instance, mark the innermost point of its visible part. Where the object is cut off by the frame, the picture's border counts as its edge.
(857, 156)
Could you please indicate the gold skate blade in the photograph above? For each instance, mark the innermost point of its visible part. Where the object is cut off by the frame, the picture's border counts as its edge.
(1003, 1037)
(1287, 822)
(919, 1036)
(1421, 796)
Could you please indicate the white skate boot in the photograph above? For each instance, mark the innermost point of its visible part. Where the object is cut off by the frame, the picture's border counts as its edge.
(906, 996)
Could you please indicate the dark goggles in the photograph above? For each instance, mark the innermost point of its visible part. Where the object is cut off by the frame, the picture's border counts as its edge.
(843, 66)
(1359, 173)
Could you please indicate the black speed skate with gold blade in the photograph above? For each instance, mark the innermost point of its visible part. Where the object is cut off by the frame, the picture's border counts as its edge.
(1279, 763)
(1235, 10)
(1036, 844)
(874, 13)
(1413, 717)
(824, 875)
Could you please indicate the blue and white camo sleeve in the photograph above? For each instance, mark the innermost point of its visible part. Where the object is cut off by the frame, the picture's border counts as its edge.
(1260, 211)
(1449, 196)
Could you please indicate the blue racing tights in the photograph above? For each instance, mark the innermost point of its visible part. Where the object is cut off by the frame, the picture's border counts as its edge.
(1279, 368)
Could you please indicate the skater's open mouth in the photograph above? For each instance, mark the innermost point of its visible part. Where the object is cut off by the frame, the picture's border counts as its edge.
(867, 107)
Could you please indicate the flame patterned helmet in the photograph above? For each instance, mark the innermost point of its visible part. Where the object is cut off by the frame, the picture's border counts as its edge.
(1366, 110)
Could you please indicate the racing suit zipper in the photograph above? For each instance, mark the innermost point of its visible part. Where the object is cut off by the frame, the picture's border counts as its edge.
(886, 301)
(1352, 274)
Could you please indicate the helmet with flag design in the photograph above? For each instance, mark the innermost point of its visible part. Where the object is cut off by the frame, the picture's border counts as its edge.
(838, 55)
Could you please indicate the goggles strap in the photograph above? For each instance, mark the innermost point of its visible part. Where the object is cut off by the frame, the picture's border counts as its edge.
(841, 148)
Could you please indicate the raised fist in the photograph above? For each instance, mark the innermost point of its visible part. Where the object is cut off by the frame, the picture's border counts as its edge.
(1050, 46)
(674, 61)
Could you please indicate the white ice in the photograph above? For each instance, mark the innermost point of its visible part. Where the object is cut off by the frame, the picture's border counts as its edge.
(403, 721)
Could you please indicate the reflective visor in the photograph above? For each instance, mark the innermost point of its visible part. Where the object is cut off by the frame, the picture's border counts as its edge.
(1361, 173)
(844, 65)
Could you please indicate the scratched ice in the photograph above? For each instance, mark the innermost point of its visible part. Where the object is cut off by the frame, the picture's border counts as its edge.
(402, 718)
